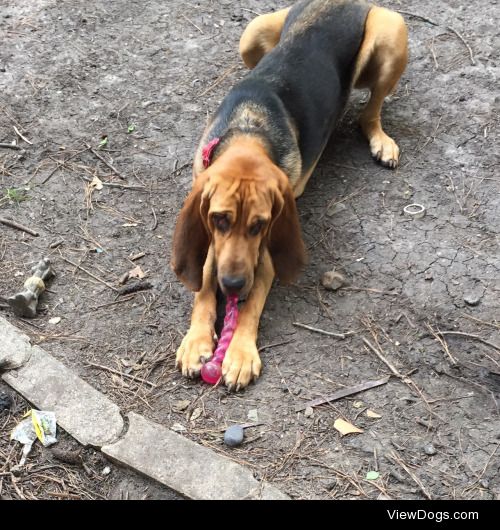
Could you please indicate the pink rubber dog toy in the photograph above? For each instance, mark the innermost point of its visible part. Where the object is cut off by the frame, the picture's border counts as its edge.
(211, 371)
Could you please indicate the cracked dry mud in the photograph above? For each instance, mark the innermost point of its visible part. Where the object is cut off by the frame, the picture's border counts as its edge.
(73, 72)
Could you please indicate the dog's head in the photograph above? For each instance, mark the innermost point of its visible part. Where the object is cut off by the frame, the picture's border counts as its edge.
(241, 204)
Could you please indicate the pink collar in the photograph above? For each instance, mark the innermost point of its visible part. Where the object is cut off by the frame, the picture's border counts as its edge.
(208, 151)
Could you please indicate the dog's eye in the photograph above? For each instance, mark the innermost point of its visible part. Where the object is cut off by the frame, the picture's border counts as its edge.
(255, 228)
(221, 222)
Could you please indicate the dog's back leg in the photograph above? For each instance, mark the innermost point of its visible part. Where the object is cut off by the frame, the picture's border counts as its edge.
(381, 61)
(261, 36)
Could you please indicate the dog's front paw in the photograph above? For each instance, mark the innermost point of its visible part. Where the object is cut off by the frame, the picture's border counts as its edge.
(241, 364)
(196, 347)
(385, 150)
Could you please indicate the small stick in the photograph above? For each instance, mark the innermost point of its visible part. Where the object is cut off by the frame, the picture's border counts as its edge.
(132, 377)
(323, 332)
(10, 146)
(368, 290)
(391, 367)
(419, 17)
(63, 495)
(471, 336)
(104, 161)
(344, 392)
(415, 479)
(406, 379)
(219, 80)
(18, 226)
(443, 343)
(116, 185)
(436, 64)
(465, 43)
(123, 278)
(139, 286)
(57, 243)
(121, 301)
(137, 256)
(449, 28)
(251, 11)
(192, 23)
(267, 346)
(90, 274)
(491, 324)
(155, 222)
(16, 130)
(59, 166)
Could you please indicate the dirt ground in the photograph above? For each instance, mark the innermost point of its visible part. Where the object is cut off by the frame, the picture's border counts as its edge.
(144, 76)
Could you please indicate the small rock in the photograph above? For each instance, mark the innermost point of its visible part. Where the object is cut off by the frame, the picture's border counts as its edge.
(472, 298)
(484, 483)
(309, 412)
(331, 485)
(177, 427)
(429, 449)
(253, 415)
(5, 401)
(234, 435)
(336, 208)
(106, 471)
(333, 280)
(55, 320)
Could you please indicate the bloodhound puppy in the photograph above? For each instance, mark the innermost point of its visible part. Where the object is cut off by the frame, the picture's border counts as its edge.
(239, 226)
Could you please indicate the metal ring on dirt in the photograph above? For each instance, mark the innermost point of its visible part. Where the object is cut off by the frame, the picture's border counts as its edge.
(414, 210)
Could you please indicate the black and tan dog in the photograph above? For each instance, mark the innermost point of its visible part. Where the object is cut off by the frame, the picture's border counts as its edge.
(239, 225)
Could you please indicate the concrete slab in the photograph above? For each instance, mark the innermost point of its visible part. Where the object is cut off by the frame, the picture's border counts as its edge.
(82, 411)
(15, 347)
(189, 468)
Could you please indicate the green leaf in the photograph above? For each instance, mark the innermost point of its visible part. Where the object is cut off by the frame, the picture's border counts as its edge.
(131, 128)
(372, 475)
(103, 142)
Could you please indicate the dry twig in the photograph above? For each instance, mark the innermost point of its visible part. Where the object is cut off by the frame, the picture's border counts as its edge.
(323, 332)
(18, 226)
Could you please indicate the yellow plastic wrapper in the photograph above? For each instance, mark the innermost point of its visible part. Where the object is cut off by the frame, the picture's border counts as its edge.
(39, 424)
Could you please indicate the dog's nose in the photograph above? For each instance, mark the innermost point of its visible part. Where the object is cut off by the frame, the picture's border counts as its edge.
(233, 283)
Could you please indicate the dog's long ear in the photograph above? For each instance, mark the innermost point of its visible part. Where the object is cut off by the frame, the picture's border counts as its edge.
(191, 238)
(285, 245)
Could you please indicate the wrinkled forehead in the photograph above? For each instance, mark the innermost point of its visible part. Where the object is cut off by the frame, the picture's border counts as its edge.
(241, 198)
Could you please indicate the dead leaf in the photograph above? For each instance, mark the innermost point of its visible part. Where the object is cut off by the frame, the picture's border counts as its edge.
(372, 414)
(55, 320)
(196, 414)
(344, 427)
(358, 404)
(96, 183)
(136, 272)
(181, 405)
